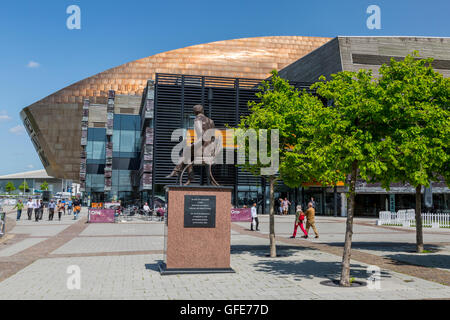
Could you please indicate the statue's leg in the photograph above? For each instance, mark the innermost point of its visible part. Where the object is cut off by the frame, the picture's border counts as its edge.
(183, 162)
(214, 182)
(176, 171)
(180, 177)
(191, 175)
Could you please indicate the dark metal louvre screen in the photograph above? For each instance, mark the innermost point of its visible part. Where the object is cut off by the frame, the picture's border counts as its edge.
(225, 100)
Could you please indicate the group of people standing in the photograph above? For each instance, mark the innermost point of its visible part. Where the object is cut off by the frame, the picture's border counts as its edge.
(38, 206)
(284, 206)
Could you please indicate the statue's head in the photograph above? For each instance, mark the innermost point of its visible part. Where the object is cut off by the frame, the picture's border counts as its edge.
(198, 109)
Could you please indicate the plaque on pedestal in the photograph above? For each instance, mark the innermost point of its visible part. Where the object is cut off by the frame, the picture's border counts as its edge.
(197, 237)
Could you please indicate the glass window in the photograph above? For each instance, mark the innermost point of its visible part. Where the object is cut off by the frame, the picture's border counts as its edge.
(127, 141)
(96, 134)
(89, 150)
(127, 122)
(116, 140)
(125, 180)
(116, 122)
(95, 182)
(138, 141)
(98, 150)
(94, 168)
(126, 164)
(115, 179)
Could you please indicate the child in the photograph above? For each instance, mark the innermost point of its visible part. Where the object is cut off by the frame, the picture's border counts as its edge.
(299, 218)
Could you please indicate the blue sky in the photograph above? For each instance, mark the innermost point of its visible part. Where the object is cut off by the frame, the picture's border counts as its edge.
(39, 55)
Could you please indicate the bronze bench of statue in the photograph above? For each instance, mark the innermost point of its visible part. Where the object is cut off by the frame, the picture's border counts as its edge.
(202, 152)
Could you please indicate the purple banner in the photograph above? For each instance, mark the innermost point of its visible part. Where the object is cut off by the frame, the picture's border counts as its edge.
(101, 215)
(241, 215)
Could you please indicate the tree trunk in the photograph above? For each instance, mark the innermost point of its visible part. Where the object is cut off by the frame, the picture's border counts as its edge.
(345, 273)
(273, 247)
(419, 234)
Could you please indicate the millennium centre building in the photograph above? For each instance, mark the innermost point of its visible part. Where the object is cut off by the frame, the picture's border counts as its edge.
(112, 132)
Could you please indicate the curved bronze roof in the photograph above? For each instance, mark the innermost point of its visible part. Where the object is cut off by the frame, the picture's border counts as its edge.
(54, 123)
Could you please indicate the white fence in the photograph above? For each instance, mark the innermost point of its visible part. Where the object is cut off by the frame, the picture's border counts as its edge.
(406, 218)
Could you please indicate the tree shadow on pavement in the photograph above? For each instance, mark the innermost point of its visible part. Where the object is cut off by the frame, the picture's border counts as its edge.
(311, 269)
(406, 247)
(264, 250)
(423, 259)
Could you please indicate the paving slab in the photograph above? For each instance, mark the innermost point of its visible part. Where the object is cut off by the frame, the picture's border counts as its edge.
(119, 261)
(20, 246)
(110, 244)
(114, 229)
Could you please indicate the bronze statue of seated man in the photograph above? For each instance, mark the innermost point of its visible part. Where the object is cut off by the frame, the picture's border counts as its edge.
(202, 151)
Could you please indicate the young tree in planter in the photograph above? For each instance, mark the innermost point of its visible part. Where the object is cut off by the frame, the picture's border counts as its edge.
(44, 186)
(24, 187)
(417, 100)
(280, 108)
(350, 140)
(10, 187)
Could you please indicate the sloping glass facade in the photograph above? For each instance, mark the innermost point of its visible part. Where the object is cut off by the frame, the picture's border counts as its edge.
(126, 142)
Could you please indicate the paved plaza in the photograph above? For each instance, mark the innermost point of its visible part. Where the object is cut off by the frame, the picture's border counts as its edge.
(120, 261)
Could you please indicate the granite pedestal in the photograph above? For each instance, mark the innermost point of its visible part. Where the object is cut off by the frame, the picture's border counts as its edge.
(198, 230)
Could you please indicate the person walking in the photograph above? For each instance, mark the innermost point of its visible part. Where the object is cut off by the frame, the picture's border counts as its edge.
(255, 220)
(64, 205)
(30, 207)
(311, 220)
(69, 207)
(19, 206)
(60, 209)
(76, 208)
(299, 218)
(41, 209)
(36, 207)
(51, 210)
(280, 208)
(313, 203)
(286, 205)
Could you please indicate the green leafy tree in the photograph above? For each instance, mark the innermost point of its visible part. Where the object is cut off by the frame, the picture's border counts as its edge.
(416, 102)
(10, 187)
(24, 187)
(280, 107)
(347, 140)
(44, 186)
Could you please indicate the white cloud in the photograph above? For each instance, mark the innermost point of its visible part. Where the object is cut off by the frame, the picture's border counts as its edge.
(17, 130)
(30, 166)
(4, 116)
(33, 64)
